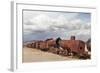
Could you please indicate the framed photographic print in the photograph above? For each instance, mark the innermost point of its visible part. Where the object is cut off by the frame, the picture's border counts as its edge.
(52, 36)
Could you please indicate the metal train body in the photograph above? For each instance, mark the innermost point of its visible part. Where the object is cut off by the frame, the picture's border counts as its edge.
(71, 46)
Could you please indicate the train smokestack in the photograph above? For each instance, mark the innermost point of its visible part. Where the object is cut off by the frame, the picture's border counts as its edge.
(72, 37)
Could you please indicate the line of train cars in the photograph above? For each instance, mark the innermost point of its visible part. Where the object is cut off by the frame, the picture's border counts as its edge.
(67, 47)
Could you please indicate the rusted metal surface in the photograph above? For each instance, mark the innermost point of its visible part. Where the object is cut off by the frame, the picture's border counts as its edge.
(74, 46)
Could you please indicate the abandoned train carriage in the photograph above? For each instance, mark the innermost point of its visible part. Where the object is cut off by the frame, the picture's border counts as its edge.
(72, 45)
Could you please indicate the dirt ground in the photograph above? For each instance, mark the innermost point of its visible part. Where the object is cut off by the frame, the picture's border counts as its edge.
(35, 55)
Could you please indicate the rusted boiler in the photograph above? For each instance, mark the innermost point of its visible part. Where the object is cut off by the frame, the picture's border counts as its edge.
(73, 46)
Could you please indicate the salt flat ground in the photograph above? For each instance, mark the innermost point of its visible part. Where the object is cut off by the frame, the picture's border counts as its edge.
(35, 55)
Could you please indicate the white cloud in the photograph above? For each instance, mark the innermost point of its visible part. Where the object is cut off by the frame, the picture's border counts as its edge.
(45, 22)
(80, 32)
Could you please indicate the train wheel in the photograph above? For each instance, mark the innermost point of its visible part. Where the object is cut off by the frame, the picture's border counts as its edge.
(65, 52)
(69, 52)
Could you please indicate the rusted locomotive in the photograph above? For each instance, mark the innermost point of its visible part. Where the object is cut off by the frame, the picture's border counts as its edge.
(69, 47)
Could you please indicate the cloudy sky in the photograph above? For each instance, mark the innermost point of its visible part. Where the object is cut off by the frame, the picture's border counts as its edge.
(40, 25)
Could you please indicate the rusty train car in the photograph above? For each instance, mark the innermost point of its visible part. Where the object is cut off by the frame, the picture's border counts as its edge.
(73, 46)
(69, 47)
